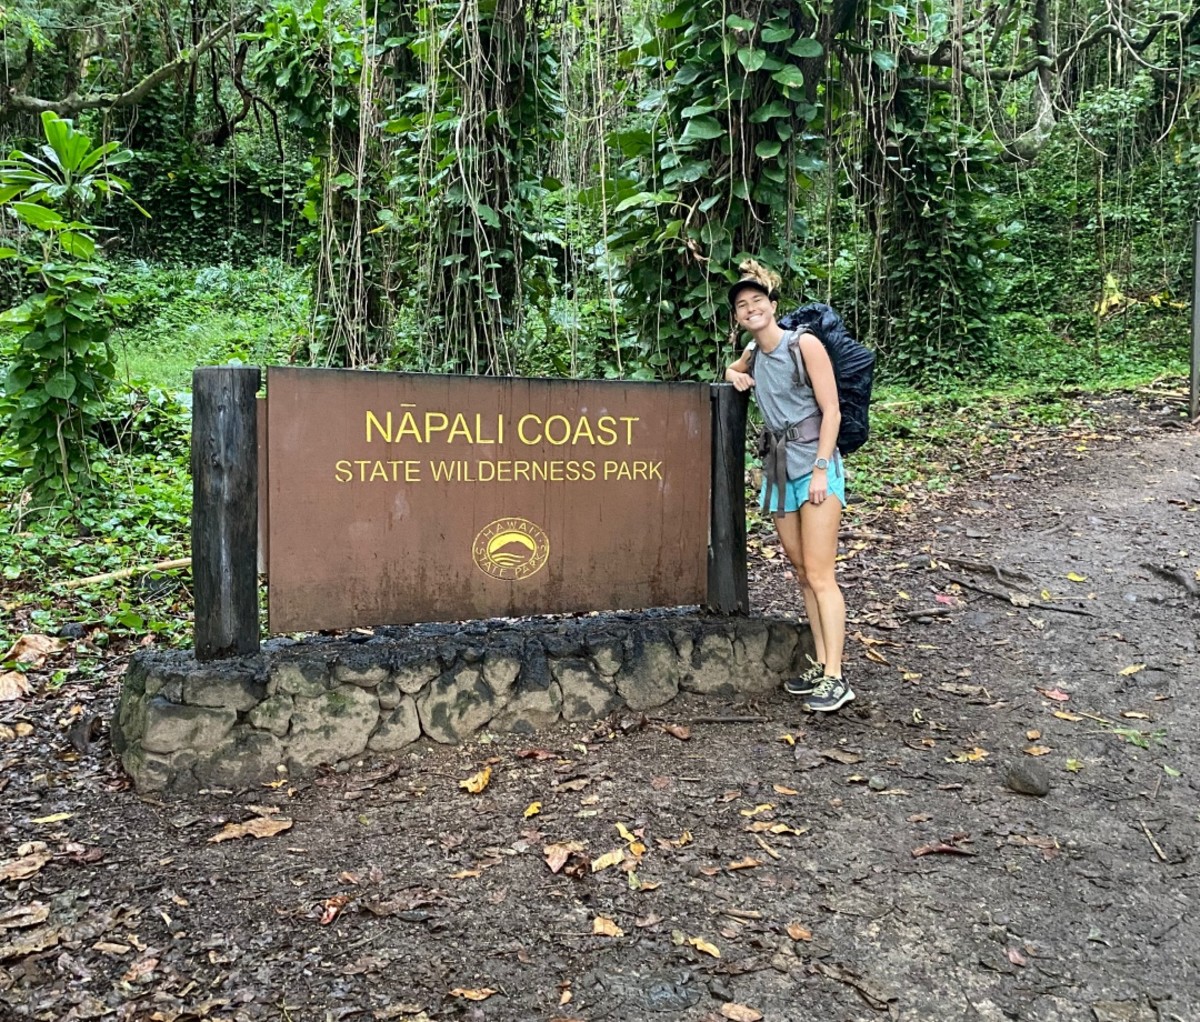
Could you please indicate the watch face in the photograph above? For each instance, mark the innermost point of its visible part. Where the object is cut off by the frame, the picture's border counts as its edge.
(821, 463)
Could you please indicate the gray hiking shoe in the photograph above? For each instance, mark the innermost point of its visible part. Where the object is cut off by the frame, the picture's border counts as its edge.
(808, 681)
(830, 694)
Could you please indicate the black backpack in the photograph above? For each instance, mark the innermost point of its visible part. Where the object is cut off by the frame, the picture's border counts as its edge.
(853, 369)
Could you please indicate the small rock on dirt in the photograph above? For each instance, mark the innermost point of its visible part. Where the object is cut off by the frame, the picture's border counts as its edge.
(1028, 779)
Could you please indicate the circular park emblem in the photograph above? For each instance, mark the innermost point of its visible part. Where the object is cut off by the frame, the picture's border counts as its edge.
(510, 549)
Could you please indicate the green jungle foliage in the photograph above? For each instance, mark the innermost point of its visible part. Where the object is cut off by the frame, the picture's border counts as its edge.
(469, 184)
(58, 368)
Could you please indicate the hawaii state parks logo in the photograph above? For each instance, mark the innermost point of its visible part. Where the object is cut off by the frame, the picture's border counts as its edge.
(510, 549)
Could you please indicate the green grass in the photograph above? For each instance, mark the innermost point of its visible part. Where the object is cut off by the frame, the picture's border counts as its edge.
(174, 320)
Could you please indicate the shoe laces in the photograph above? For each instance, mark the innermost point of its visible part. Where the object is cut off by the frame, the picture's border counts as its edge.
(815, 670)
(828, 685)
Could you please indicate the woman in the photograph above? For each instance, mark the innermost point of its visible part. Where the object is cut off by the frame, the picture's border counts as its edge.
(804, 481)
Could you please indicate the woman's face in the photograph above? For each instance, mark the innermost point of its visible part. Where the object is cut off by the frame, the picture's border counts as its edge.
(753, 310)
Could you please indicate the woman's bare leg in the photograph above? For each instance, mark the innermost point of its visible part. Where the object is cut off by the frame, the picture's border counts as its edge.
(789, 535)
(819, 524)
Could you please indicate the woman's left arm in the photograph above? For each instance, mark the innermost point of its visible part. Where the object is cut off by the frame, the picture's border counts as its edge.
(824, 385)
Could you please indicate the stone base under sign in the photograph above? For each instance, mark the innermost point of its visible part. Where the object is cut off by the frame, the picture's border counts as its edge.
(183, 725)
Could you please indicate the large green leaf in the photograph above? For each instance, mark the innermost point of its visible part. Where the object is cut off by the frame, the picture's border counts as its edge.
(61, 385)
(751, 58)
(38, 216)
(702, 128)
(78, 245)
(806, 48)
(777, 33)
(790, 76)
(776, 108)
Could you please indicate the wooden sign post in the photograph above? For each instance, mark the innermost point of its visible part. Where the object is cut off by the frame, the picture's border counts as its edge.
(225, 511)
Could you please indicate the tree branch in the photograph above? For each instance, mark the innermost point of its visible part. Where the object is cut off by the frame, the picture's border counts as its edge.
(941, 56)
(74, 103)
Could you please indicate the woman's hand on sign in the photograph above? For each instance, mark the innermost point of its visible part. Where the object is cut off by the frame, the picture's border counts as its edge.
(740, 381)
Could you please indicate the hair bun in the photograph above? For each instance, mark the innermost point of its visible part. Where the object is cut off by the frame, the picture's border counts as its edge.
(754, 269)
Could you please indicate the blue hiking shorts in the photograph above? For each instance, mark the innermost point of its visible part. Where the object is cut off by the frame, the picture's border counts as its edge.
(795, 493)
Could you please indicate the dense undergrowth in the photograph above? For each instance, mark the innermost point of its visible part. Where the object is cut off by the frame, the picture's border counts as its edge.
(923, 441)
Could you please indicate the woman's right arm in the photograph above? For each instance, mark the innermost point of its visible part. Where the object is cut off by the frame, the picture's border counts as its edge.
(738, 372)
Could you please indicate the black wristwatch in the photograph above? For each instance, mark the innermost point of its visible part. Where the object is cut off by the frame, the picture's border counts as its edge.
(820, 463)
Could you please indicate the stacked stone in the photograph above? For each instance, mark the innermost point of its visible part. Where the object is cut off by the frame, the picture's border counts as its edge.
(182, 725)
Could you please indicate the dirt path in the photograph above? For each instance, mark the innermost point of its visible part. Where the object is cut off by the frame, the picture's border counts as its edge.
(871, 865)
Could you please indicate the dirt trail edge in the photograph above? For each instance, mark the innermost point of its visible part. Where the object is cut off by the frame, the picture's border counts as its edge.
(715, 861)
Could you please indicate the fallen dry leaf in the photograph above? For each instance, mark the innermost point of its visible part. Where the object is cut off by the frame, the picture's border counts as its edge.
(764, 807)
(575, 784)
(532, 809)
(612, 858)
(13, 685)
(24, 915)
(1131, 669)
(482, 994)
(1016, 957)
(798, 932)
(557, 854)
(684, 839)
(1067, 715)
(782, 790)
(1057, 694)
(677, 731)
(1135, 715)
(700, 944)
(53, 818)
(604, 927)
(535, 754)
(141, 972)
(466, 874)
(1036, 750)
(33, 649)
(974, 755)
(332, 908)
(22, 868)
(259, 827)
(107, 947)
(30, 943)
(746, 863)
(477, 782)
(842, 756)
(1074, 576)
(1033, 735)
(740, 1012)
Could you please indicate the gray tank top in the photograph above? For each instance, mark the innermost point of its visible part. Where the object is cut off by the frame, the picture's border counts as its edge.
(783, 403)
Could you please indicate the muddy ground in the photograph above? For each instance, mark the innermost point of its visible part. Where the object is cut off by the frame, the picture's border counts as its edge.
(869, 865)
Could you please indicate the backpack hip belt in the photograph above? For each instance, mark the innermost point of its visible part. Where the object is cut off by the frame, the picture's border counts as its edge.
(772, 449)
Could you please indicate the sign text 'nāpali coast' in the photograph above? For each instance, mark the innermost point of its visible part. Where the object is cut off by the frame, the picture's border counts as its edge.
(393, 498)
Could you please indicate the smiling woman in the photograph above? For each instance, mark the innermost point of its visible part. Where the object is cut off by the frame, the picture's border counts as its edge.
(805, 484)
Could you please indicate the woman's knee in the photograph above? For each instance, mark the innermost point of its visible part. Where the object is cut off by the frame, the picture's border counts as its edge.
(822, 582)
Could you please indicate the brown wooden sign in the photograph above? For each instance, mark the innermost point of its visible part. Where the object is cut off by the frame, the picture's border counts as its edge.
(395, 498)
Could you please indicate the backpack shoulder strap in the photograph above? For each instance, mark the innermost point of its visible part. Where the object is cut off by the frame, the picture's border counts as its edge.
(798, 358)
(748, 355)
